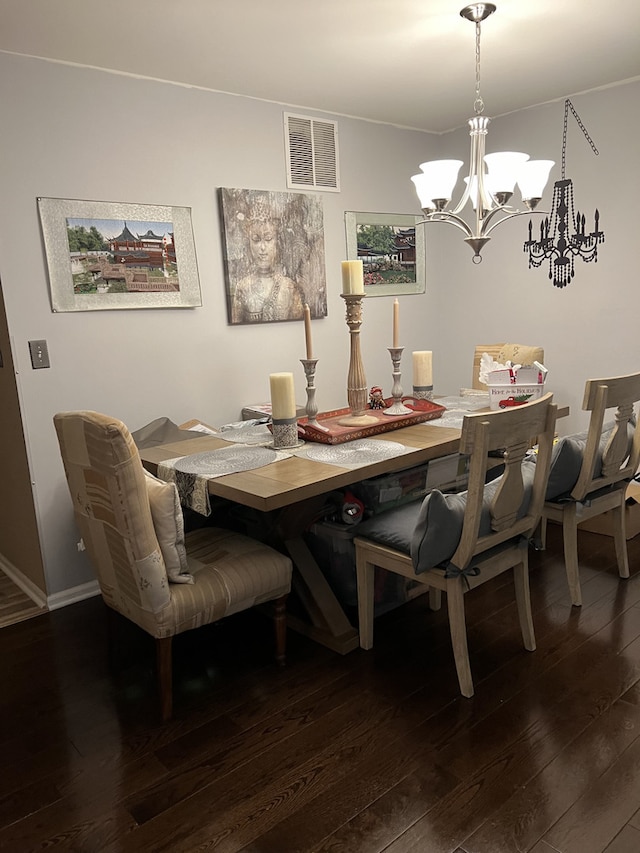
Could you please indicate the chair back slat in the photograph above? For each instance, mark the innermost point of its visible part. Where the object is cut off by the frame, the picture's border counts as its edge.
(615, 463)
(512, 432)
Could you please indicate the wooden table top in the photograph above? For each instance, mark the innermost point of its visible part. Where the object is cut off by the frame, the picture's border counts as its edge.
(296, 479)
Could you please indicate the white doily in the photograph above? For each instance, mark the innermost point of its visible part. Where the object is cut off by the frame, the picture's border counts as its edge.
(227, 460)
(259, 434)
(362, 451)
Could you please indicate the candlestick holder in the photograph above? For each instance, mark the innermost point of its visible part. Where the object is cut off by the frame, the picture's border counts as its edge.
(423, 392)
(397, 407)
(357, 394)
(309, 365)
(285, 433)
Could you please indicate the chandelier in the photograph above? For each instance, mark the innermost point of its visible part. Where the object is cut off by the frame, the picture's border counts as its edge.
(556, 243)
(492, 177)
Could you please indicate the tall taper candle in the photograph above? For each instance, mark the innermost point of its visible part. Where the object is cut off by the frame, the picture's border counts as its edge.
(396, 323)
(283, 404)
(307, 330)
(352, 277)
(422, 369)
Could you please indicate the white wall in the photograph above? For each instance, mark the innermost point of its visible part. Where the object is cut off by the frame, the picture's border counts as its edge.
(74, 133)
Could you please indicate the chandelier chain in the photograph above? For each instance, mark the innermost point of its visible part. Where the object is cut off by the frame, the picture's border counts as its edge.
(478, 104)
(569, 106)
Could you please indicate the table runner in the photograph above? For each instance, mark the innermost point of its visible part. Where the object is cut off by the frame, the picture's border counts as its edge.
(192, 473)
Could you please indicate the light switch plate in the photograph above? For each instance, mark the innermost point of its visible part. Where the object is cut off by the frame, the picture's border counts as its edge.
(39, 354)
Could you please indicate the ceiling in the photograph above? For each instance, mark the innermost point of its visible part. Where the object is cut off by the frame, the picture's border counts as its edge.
(404, 62)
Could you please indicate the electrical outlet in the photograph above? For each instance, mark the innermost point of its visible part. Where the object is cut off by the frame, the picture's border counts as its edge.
(39, 354)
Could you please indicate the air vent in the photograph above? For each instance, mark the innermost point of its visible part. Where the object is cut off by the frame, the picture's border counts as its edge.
(312, 153)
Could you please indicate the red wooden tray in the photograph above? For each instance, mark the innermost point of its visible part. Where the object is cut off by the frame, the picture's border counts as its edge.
(332, 432)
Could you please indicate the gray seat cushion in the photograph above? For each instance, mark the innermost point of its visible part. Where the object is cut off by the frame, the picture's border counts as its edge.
(430, 531)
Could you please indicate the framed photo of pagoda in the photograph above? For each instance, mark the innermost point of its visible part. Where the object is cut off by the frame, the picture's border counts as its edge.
(391, 247)
(108, 255)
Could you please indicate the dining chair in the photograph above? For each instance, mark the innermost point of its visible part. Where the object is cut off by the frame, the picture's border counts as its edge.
(590, 472)
(517, 353)
(454, 543)
(147, 569)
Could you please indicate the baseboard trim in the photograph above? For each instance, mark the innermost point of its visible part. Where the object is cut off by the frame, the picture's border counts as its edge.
(72, 595)
(21, 580)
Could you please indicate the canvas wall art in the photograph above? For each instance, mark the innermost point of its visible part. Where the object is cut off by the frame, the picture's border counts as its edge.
(274, 255)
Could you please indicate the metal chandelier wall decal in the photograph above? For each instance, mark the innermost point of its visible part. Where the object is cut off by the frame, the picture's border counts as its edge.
(556, 244)
(492, 178)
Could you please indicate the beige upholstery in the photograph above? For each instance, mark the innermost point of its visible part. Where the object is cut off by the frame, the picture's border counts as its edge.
(517, 353)
(604, 475)
(479, 556)
(231, 572)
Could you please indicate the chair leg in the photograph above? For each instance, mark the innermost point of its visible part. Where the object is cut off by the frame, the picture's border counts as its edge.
(280, 623)
(435, 598)
(620, 540)
(164, 670)
(570, 540)
(540, 536)
(458, 629)
(365, 580)
(523, 600)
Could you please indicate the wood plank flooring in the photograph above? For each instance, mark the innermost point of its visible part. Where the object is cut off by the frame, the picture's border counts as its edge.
(15, 605)
(370, 752)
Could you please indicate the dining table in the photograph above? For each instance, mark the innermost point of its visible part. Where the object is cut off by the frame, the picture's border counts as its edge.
(294, 488)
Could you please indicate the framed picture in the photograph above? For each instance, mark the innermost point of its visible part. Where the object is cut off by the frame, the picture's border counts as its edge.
(391, 249)
(274, 255)
(104, 255)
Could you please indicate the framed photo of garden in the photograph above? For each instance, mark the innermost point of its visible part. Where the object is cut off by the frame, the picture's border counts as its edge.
(106, 255)
(391, 249)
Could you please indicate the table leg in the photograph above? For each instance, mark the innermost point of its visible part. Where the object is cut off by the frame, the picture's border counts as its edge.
(328, 623)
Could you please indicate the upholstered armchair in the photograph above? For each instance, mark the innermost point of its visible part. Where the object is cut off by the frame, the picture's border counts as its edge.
(147, 569)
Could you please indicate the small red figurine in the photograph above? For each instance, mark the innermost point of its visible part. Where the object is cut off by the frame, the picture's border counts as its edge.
(376, 398)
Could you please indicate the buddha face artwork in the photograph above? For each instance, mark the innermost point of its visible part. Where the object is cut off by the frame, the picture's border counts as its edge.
(274, 254)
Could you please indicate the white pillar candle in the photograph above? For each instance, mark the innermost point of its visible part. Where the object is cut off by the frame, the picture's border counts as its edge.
(352, 277)
(307, 331)
(422, 369)
(396, 323)
(283, 404)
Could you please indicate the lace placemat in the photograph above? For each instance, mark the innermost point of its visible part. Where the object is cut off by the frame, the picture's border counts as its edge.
(192, 473)
(354, 454)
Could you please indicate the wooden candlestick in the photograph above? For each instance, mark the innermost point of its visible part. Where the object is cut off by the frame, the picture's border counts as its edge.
(357, 393)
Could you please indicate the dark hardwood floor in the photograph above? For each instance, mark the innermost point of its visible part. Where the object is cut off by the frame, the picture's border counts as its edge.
(373, 751)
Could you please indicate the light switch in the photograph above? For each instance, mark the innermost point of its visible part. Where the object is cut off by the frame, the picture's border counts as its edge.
(39, 354)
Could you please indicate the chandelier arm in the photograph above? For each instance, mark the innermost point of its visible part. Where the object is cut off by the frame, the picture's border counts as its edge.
(448, 218)
(515, 213)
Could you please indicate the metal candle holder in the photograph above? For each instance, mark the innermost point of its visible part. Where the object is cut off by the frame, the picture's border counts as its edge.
(397, 407)
(309, 365)
(357, 394)
(423, 392)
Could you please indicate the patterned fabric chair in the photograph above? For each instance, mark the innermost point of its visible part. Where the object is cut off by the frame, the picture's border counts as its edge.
(148, 571)
(590, 471)
(453, 543)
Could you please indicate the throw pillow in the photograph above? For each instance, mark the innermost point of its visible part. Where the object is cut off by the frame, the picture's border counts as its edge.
(429, 531)
(168, 522)
(566, 461)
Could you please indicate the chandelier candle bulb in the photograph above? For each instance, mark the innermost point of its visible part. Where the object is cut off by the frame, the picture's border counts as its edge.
(283, 405)
(352, 277)
(396, 323)
(307, 331)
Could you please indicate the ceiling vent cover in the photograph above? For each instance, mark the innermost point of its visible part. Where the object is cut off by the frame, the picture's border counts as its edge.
(312, 153)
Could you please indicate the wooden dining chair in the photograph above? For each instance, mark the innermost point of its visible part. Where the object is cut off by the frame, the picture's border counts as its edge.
(590, 472)
(454, 543)
(148, 570)
(517, 353)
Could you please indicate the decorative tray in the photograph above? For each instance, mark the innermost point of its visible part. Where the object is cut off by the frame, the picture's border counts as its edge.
(330, 431)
